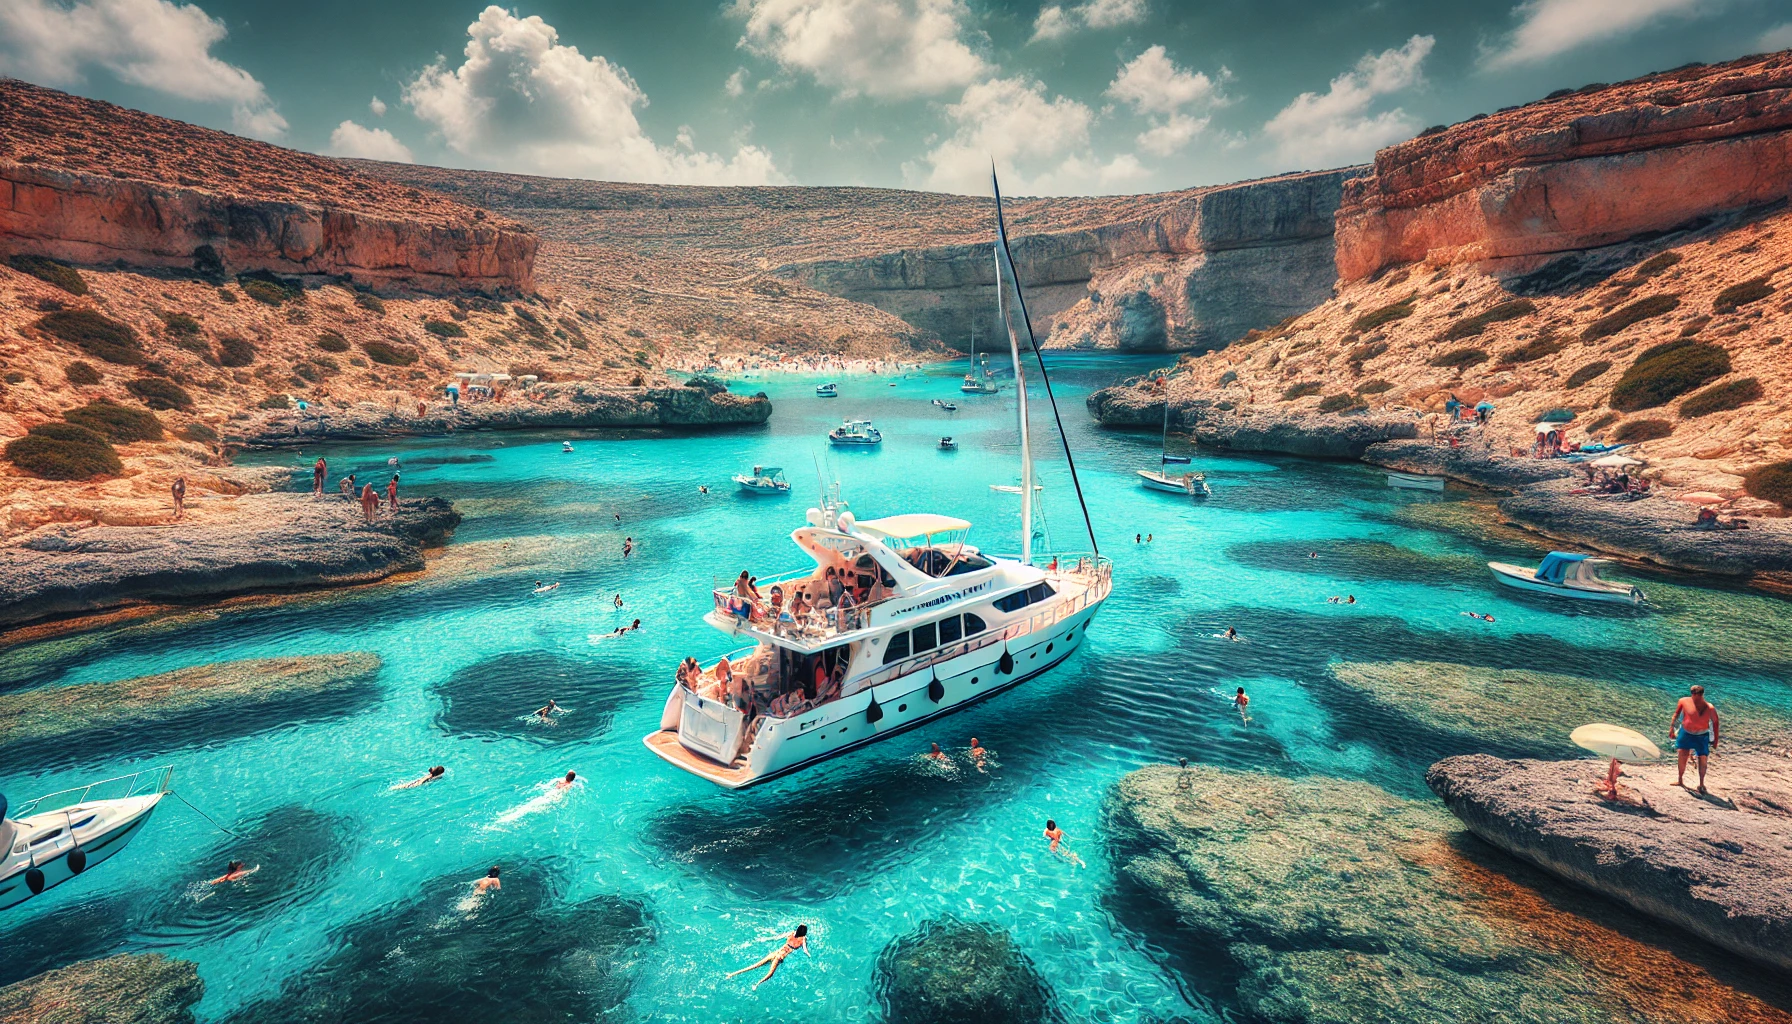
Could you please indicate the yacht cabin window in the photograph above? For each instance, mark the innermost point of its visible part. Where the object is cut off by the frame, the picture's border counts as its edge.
(1032, 595)
(926, 637)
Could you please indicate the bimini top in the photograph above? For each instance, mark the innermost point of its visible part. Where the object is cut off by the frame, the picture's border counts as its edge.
(1555, 565)
(914, 524)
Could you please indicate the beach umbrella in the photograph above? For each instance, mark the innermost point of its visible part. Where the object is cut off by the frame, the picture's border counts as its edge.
(1546, 428)
(1483, 406)
(1617, 743)
(1617, 462)
(1700, 498)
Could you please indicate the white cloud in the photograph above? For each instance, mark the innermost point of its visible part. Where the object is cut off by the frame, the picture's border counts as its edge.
(886, 49)
(1054, 22)
(736, 85)
(1337, 128)
(1548, 28)
(154, 44)
(1039, 144)
(522, 101)
(351, 139)
(1777, 38)
(378, 106)
(1153, 85)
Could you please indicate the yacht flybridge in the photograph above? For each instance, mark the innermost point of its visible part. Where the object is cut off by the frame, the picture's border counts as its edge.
(899, 621)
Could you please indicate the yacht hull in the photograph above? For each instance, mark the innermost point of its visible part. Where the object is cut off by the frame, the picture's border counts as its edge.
(1520, 578)
(125, 818)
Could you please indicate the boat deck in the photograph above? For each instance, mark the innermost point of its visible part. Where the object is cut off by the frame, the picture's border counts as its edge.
(665, 744)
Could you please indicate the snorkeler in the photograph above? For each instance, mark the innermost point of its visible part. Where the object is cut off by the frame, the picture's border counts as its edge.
(1056, 835)
(234, 872)
(798, 939)
(432, 775)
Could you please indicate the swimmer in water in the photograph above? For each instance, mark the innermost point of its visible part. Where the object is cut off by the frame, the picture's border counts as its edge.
(977, 752)
(546, 712)
(1242, 701)
(432, 775)
(234, 872)
(628, 546)
(1231, 632)
(798, 939)
(936, 753)
(702, 488)
(1350, 599)
(567, 782)
(618, 601)
(489, 882)
(1056, 835)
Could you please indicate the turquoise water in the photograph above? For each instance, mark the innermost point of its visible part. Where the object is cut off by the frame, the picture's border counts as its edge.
(690, 881)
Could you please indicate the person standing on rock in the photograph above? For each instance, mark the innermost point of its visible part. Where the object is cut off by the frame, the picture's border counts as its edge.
(1696, 720)
(370, 501)
(318, 472)
(179, 490)
(392, 494)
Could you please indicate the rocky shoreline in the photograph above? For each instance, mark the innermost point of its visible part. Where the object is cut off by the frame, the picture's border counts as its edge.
(1714, 866)
(1221, 421)
(125, 989)
(233, 545)
(698, 403)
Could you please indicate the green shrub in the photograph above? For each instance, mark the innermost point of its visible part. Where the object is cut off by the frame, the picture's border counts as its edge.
(64, 451)
(1367, 351)
(269, 290)
(1536, 348)
(197, 431)
(59, 274)
(1694, 326)
(1341, 403)
(1753, 290)
(1375, 387)
(160, 394)
(444, 328)
(1772, 482)
(1385, 315)
(370, 302)
(1459, 359)
(305, 373)
(78, 372)
(1657, 263)
(117, 422)
(1603, 420)
(389, 355)
(1636, 312)
(274, 402)
(1587, 373)
(1634, 431)
(1722, 398)
(235, 351)
(1302, 390)
(226, 295)
(98, 336)
(330, 341)
(1472, 326)
(180, 325)
(1558, 416)
(1665, 372)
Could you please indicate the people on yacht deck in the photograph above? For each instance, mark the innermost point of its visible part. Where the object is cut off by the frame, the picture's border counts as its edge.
(430, 776)
(489, 882)
(567, 782)
(836, 586)
(546, 712)
(846, 606)
(1056, 835)
(234, 872)
(743, 586)
(798, 939)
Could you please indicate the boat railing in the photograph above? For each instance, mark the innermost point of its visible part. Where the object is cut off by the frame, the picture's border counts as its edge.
(730, 605)
(144, 783)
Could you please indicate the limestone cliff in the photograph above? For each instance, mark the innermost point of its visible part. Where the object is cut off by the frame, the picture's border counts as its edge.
(92, 183)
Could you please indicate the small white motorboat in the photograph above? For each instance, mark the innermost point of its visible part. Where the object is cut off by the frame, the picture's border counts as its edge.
(948, 445)
(829, 390)
(855, 432)
(1415, 481)
(948, 406)
(56, 837)
(566, 446)
(763, 480)
(1192, 484)
(1567, 575)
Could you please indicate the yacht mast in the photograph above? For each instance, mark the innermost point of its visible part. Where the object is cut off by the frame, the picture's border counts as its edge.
(1020, 388)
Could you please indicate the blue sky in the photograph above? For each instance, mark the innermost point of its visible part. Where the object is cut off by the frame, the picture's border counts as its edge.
(1070, 97)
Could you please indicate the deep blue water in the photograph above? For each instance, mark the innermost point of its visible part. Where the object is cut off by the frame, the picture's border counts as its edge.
(687, 881)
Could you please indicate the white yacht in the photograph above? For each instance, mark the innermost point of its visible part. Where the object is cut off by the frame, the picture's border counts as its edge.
(1562, 574)
(898, 622)
(829, 390)
(851, 432)
(54, 838)
(763, 480)
(1192, 484)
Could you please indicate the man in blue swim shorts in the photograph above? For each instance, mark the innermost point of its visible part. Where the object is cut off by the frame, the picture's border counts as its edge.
(1694, 732)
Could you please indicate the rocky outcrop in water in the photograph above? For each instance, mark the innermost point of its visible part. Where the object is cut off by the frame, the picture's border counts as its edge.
(1715, 867)
(695, 406)
(269, 541)
(215, 203)
(1578, 171)
(1222, 421)
(956, 972)
(129, 989)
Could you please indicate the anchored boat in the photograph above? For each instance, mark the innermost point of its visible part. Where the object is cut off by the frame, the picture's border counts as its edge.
(1567, 575)
(1192, 484)
(855, 432)
(54, 838)
(763, 480)
(827, 390)
(1415, 481)
(899, 621)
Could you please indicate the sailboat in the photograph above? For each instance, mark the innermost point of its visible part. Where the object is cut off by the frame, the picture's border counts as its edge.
(972, 385)
(926, 623)
(1192, 484)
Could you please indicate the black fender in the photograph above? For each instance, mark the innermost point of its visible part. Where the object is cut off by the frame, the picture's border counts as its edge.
(874, 713)
(34, 880)
(936, 690)
(77, 861)
(1006, 665)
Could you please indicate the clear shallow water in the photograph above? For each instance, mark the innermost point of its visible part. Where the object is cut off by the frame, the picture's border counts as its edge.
(865, 848)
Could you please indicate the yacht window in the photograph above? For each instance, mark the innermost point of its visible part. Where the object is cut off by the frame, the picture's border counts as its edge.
(972, 624)
(970, 563)
(1039, 592)
(898, 648)
(950, 633)
(1013, 602)
(923, 638)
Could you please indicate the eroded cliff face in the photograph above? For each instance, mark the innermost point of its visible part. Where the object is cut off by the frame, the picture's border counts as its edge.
(94, 184)
(1191, 270)
(1522, 188)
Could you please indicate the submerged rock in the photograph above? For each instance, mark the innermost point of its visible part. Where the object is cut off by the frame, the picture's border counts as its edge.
(1321, 899)
(1522, 711)
(1357, 560)
(497, 697)
(295, 850)
(955, 972)
(515, 955)
(127, 989)
(226, 698)
(1716, 867)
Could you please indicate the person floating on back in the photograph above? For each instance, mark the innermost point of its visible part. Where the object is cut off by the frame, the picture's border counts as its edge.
(798, 939)
(1696, 720)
